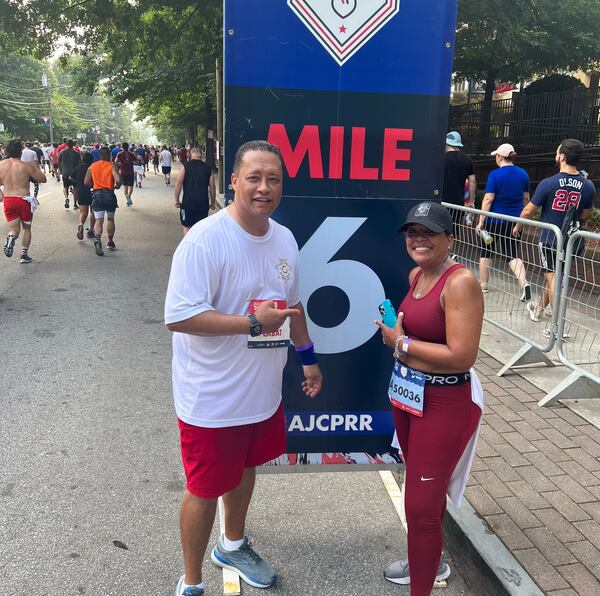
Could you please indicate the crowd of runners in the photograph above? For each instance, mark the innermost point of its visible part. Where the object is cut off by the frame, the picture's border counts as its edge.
(90, 175)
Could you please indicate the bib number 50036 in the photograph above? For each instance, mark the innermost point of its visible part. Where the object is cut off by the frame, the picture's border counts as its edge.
(360, 283)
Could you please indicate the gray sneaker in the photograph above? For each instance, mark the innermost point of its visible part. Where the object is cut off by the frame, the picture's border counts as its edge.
(398, 572)
(246, 563)
(189, 591)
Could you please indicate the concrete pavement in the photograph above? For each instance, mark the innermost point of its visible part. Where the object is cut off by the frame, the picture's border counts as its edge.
(91, 480)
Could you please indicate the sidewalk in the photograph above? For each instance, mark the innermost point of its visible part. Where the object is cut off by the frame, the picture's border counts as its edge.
(536, 483)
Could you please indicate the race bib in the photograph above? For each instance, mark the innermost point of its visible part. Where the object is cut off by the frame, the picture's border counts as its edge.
(274, 339)
(407, 389)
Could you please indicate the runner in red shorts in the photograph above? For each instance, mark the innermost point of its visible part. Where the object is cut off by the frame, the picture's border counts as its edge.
(227, 375)
(15, 176)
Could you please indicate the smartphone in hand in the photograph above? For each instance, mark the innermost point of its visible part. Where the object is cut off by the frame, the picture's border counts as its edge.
(388, 313)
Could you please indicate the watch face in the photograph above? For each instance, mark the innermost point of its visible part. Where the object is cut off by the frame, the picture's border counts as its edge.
(255, 330)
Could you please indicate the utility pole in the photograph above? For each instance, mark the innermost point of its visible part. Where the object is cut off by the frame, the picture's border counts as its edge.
(219, 86)
(46, 83)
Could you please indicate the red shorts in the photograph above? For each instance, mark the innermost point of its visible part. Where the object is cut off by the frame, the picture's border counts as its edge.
(17, 208)
(214, 458)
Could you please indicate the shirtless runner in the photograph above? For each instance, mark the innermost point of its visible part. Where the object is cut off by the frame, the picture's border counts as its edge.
(15, 176)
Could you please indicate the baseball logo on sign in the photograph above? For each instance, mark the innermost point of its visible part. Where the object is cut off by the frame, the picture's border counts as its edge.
(344, 26)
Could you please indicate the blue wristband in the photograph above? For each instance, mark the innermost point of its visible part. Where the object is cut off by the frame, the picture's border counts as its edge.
(307, 355)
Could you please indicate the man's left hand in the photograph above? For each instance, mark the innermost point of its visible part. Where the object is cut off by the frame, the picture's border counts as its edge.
(313, 380)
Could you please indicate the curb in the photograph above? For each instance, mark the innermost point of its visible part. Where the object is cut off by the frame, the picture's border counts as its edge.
(482, 549)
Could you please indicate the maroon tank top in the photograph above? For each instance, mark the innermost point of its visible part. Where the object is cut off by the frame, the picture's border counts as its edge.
(424, 318)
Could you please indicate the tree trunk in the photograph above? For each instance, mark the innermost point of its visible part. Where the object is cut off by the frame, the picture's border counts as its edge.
(191, 134)
(483, 140)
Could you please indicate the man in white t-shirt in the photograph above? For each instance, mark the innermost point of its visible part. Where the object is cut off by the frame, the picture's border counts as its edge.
(234, 306)
(165, 160)
(30, 156)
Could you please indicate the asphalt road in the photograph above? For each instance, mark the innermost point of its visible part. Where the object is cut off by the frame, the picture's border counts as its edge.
(90, 475)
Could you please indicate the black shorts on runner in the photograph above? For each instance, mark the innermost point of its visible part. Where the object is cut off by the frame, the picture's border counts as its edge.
(67, 182)
(504, 244)
(166, 169)
(189, 218)
(104, 200)
(126, 179)
(84, 195)
(547, 253)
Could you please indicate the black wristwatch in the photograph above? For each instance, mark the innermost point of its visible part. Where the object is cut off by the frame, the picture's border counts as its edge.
(255, 326)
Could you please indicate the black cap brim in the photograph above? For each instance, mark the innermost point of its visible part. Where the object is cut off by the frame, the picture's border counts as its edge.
(430, 225)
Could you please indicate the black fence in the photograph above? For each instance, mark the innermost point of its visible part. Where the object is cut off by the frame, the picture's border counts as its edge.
(532, 123)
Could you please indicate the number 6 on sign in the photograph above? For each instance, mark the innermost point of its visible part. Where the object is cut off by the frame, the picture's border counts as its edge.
(361, 284)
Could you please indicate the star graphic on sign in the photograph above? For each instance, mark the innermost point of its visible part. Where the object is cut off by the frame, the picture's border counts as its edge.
(342, 29)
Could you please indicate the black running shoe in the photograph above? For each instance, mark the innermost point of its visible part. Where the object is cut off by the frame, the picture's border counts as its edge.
(98, 248)
(79, 232)
(66, 203)
(90, 235)
(111, 245)
(9, 245)
(26, 258)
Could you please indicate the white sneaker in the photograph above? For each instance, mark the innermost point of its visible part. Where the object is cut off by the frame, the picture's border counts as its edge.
(484, 288)
(534, 312)
(548, 333)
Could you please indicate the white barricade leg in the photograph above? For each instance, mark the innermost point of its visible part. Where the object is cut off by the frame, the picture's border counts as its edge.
(527, 354)
(575, 386)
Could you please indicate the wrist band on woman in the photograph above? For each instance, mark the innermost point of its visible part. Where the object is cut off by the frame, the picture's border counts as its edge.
(405, 343)
(397, 353)
(307, 354)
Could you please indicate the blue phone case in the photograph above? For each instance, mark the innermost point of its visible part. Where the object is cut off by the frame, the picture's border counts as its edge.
(388, 313)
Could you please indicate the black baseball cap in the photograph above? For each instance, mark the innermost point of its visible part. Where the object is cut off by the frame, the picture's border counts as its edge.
(430, 215)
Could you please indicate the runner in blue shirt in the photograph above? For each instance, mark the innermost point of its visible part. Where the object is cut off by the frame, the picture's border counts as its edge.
(567, 193)
(506, 192)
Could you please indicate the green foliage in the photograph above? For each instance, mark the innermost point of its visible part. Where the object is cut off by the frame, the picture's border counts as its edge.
(513, 41)
(592, 223)
(25, 100)
(159, 56)
(551, 83)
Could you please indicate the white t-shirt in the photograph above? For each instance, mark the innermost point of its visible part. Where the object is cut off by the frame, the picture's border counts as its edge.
(165, 157)
(28, 155)
(217, 380)
(46, 154)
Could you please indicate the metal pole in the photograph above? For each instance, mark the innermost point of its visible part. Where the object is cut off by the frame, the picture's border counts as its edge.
(49, 91)
(219, 86)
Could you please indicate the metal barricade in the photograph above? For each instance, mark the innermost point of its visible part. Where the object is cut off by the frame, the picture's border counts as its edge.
(578, 327)
(511, 258)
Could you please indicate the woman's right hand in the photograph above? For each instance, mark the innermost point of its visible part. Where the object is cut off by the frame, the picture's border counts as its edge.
(390, 335)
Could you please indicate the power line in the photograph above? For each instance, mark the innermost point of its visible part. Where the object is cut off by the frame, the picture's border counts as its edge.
(8, 74)
(24, 103)
(73, 115)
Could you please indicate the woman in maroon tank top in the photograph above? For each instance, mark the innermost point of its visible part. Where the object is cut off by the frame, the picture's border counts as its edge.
(435, 344)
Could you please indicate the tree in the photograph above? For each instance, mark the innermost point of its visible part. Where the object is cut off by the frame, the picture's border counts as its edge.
(25, 105)
(512, 41)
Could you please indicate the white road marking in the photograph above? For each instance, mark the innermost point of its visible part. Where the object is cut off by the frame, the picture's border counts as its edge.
(231, 580)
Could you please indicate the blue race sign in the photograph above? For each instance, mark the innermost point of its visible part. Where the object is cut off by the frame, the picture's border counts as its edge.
(355, 94)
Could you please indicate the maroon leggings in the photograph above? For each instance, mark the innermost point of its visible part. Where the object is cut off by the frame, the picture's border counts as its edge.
(431, 447)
